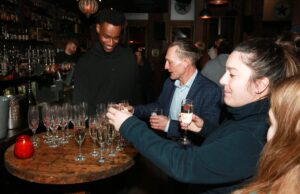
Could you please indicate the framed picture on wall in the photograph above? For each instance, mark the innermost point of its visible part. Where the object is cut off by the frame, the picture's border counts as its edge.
(181, 30)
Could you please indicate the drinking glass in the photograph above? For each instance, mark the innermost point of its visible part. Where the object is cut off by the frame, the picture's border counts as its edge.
(78, 119)
(101, 140)
(157, 111)
(100, 109)
(111, 135)
(46, 117)
(67, 108)
(55, 122)
(93, 122)
(64, 113)
(186, 117)
(83, 107)
(33, 122)
(79, 138)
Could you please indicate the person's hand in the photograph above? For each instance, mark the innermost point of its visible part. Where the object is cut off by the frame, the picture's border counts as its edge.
(158, 122)
(195, 126)
(125, 105)
(117, 117)
(130, 109)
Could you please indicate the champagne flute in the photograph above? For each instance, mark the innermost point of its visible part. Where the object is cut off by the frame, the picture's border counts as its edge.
(79, 138)
(100, 109)
(55, 122)
(101, 139)
(186, 117)
(111, 135)
(33, 123)
(83, 107)
(46, 117)
(64, 122)
(93, 122)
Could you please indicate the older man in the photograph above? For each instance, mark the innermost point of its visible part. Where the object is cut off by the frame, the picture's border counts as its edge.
(184, 82)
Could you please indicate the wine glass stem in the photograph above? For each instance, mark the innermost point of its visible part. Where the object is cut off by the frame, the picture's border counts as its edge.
(185, 135)
(79, 150)
(34, 137)
(94, 146)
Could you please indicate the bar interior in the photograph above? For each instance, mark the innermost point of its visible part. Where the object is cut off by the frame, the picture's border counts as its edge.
(33, 35)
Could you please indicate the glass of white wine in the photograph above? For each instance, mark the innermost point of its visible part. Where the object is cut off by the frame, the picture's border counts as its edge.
(186, 118)
(79, 138)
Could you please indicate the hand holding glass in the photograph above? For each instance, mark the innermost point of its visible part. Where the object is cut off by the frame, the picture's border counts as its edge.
(186, 117)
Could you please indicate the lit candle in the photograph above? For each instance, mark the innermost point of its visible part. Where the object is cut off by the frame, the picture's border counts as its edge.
(23, 147)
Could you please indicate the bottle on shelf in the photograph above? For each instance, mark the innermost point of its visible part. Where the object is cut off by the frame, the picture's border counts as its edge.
(4, 62)
(29, 94)
(30, 97)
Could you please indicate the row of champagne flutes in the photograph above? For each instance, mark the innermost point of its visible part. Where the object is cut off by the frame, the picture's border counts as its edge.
(55, 117)
(101, 133)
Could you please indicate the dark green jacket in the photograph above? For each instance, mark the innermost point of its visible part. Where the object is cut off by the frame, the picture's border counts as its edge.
(225, 160)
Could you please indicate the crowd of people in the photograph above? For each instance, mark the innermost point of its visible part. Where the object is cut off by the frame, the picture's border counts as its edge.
(254, 149)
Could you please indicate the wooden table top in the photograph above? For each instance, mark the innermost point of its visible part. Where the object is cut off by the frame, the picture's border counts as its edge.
(57, 165)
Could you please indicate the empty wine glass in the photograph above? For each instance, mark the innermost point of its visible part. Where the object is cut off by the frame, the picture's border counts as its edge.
(46, 117)
(33, 122)
(93, 133)
(64, 113)
(100, 109)
(83, 108)
(55, 122)
(101, 139)
(111, 133)
(186, 117)
(79, 138)
(78, 117)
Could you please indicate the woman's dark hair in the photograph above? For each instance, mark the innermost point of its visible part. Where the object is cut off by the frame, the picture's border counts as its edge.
(268, 59)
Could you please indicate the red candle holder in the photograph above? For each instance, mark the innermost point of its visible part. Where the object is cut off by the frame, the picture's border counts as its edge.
(23, 147)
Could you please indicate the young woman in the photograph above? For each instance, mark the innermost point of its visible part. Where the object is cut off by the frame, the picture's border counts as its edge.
(228, 157)
(279, 165)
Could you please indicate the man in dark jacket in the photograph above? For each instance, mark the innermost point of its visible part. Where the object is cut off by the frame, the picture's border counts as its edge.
(185, 82)
(108, 72)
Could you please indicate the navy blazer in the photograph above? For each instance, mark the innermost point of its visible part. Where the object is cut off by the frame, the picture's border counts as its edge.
(206, 96)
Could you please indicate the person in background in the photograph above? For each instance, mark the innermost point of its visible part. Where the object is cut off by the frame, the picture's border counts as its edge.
(213, 51)
(215, 68)
(67, 60)
(108, 72)
(279, 164)
(146, 75)
(227, 158)
(184, 82)
(203, 53)
(69, 55)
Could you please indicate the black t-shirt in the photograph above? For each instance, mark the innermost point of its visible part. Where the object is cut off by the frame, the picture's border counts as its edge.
(62, 57)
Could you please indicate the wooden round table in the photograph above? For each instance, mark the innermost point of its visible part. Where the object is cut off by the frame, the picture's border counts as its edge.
(57, 165)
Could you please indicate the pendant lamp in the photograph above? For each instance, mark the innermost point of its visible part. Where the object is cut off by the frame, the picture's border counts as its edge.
(218, 2)
(88, 7)
(205, 14)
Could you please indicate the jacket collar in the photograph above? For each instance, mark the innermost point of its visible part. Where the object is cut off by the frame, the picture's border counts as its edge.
(255, 108)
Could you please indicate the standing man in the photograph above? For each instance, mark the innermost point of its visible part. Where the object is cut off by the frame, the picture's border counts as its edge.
(185, 82)
(108, 72)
